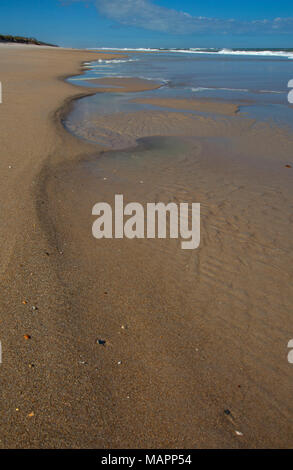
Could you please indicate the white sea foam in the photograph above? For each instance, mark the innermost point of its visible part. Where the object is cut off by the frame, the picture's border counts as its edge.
(104, 62)
(219, 88)
(157, 79)
(116, 61)
(122, 49)
(245, 90)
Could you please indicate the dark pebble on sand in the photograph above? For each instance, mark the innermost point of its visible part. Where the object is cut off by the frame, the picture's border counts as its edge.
(101, 342)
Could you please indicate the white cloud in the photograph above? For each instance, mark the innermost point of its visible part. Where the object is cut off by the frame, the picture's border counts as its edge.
(148, 15)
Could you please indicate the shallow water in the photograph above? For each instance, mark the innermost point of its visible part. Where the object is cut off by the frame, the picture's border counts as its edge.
(259, 83)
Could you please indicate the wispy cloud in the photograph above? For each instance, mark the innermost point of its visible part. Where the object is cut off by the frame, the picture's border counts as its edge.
(146, 14)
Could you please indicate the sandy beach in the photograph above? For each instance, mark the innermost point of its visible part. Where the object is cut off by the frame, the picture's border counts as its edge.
(195, 352)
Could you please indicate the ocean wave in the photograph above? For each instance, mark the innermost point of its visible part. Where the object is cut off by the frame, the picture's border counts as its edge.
(202, 50)
(269, 53)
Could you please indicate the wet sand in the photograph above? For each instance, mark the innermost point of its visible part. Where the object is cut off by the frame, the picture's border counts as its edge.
(196, 341)
(207, 330)
(197, 105)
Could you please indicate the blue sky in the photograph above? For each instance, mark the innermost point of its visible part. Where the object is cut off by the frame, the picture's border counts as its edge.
(151, 23)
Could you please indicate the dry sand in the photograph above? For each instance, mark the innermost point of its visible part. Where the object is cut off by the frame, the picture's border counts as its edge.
(204, 331)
